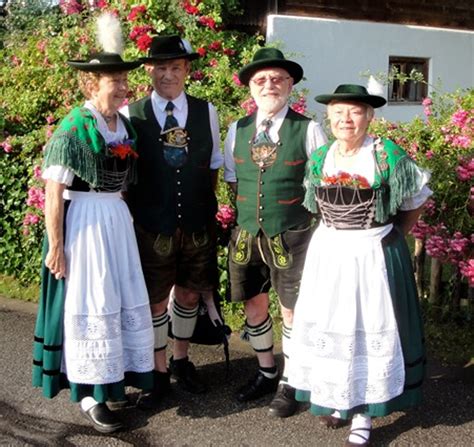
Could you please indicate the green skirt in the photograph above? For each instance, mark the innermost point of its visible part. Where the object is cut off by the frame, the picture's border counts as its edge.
(48, 348)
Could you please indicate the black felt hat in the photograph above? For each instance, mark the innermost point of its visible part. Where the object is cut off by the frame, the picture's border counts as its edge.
(165, 48)
(268, 58)
(104, 62)
(352, 92)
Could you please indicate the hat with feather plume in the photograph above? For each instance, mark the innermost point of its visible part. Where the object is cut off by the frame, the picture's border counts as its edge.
(109, 38)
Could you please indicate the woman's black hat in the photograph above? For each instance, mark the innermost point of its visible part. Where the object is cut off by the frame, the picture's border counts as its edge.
(352, 92)
(104, 62)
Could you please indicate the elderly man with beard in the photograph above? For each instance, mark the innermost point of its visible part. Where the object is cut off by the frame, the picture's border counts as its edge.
(265, 156)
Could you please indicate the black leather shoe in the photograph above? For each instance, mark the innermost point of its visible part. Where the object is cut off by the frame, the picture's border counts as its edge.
(186, 376)
(150, 399)
(283, 403)
(257, 387)
(103, 420)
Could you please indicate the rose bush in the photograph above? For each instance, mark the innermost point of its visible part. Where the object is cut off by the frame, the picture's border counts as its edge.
(443, 142)
(38, 89)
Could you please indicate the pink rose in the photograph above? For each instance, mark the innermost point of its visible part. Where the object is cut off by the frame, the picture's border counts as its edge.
(7, 147)
(236, 80)
(426, 102)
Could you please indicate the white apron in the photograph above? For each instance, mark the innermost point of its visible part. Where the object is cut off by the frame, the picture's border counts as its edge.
(345, 347)
(107, 320)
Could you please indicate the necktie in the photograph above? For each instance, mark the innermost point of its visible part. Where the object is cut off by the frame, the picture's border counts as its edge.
(175, 148)
(170, 121)
(263, 136)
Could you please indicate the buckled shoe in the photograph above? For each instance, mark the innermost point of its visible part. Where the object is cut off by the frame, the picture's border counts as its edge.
(186, 376)
(103, 420)
(283, 404)
(256, 387)
(363, 434)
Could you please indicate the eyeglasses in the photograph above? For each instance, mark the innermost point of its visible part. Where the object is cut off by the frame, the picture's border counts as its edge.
(276, 80)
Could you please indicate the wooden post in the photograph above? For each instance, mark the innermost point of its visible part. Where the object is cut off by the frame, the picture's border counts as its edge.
(419, 266)
(435, 281)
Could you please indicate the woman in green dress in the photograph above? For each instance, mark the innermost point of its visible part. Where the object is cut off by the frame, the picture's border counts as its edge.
(357, 344)
(94, 332)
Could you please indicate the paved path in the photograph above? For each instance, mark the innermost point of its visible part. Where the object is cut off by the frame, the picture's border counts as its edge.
(215, 419)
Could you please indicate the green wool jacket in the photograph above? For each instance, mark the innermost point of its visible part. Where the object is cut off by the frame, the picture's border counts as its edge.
(166, 198)
(270, 199)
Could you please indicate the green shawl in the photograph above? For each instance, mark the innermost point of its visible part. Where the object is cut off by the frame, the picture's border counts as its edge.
(78, 145)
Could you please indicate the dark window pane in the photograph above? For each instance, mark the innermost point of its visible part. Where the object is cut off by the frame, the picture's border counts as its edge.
(410, 91)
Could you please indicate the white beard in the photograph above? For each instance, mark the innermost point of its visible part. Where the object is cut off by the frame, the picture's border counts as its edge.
(271, 104)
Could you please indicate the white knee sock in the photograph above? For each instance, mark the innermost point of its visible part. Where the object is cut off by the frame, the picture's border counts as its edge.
(160, 328)
(261, 336)
(184, 321)
(360, 429)
(88, 402)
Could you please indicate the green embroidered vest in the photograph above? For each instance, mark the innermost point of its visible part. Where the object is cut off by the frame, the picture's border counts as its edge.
(270, 199)
(395, 178)
(166, 198)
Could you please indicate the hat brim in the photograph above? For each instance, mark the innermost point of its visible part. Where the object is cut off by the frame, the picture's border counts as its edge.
(168, 57)
(295, 70)
(371, 100)
(104, 67)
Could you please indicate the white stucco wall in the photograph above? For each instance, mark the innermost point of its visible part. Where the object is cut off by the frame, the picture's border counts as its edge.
(334, 52)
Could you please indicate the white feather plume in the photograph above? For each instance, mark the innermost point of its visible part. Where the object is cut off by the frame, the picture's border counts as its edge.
(375, 87)
(187, 46)
(109, 33)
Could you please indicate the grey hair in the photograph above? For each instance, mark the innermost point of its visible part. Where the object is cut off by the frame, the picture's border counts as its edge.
(369, 110)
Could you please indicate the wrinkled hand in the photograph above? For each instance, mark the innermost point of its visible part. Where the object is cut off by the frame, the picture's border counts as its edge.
(56, 262)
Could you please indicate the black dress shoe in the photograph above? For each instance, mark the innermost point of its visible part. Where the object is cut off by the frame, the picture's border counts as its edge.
(283, 404)
(257, 387)
(102, 418)
(363, 434)
(150, 399)
(186, 376)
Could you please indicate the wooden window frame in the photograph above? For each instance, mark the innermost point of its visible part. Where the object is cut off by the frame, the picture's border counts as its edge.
(399, 94)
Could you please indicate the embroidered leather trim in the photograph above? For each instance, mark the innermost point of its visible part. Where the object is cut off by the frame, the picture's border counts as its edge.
(163, 245)
(281, 258)
(200, 238)
(243, 248)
